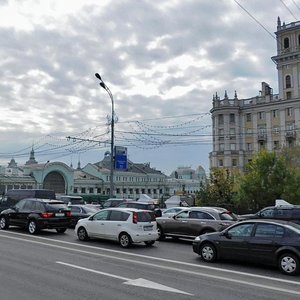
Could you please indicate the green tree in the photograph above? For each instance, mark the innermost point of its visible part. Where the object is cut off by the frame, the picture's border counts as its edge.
(219, 189)
(267, 178)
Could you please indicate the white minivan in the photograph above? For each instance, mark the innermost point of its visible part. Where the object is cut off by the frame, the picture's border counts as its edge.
(125, 225)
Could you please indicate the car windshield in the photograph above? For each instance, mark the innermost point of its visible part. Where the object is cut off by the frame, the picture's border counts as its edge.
(90, 209)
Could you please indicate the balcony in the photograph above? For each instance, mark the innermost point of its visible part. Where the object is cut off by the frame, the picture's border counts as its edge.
(262, 137)
(290, 134)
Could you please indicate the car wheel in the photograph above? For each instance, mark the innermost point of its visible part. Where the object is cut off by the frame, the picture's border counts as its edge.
(149, 243)
(32, 227)
(208, 252)
(4, 223)
(289, 264)
(61, 230)
(161, 235)
(82, 234)
(125, 240)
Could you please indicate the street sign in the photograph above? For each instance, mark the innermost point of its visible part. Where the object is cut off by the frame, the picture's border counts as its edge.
(120, 158)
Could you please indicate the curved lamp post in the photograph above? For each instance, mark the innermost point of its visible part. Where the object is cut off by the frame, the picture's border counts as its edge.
(104, 86)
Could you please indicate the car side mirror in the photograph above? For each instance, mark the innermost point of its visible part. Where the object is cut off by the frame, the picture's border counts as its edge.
(226, 234)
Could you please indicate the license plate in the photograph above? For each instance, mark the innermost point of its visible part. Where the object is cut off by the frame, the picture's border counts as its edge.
(148, 228)
(59, 214)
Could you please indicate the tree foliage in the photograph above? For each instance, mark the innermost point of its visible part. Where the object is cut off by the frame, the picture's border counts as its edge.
(268, 177)
(218, 191)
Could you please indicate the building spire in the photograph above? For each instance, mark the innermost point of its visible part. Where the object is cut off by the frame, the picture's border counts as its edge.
(31, 160)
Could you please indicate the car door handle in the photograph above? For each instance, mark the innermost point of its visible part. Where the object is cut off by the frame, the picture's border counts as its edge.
(119, 225)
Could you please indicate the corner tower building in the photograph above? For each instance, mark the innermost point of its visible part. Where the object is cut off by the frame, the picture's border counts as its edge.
(242, 127)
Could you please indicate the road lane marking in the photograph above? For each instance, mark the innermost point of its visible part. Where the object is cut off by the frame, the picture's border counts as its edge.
(141, 282)
(151, 258)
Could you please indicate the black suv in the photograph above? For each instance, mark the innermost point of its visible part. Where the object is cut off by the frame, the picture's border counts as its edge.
(36, 214)
(287, 213)
(142, 205)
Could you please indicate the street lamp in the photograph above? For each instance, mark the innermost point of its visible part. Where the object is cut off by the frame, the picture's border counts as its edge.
(103, 85)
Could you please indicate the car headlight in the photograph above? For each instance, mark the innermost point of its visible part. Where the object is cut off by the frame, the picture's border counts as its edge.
(197, 238)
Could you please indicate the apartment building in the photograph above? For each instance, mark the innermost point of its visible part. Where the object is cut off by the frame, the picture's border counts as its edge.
(242, 127)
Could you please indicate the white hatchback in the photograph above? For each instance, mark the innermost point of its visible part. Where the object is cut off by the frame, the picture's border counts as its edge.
(125, 225)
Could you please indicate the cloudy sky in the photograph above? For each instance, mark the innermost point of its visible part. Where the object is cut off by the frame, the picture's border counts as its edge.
(162, 60)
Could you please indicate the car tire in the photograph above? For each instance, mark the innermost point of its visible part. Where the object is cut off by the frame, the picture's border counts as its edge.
(289, 264)
(4, 223)
(149, 243)
(33, 227)
(61, 230)
(161, 235)
(208, 252)
(125, 240)
(82, 234)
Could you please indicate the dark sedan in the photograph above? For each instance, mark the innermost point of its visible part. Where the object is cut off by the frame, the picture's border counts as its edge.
(80, 212)
(267, 242)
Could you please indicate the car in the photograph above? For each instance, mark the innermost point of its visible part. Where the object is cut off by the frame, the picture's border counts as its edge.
(36, 214)
(170, 212)
(125, 225)
(113, 202)
(71, 199)
(80, 212)
(192, 221)
(279, 212)
(272, 242)
(13, 196)
(142, 205)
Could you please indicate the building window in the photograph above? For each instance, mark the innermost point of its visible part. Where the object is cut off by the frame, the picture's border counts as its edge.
(221, 119)
(130, 191)
(118, 191)
(276, 130)
(221, 147)
(286, 43)
(275, 113)
(232, 118)
(221, 131)
(98, 190)
(249, 131)
(249, 147)
(289, 111)
(232, 146)
(288, 95)
(248, 117)
(83, 190)
(261, 115)
(75, 190)
(234, 162)
(276, 145)
(220, 162)
(124, 191)
(149, 191)
(288, 83)
(261, 145)
(232, 131)
(91, 190)
(299, 39)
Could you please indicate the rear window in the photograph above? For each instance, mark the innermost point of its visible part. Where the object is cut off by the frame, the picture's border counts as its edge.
(56, 206)
(145, 216)
(227, 216)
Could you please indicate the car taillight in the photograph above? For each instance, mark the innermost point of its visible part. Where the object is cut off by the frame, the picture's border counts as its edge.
(46, 214)
(68, 214)
(134, 217)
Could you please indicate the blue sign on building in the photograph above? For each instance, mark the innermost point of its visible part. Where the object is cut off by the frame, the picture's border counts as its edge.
(121, 158)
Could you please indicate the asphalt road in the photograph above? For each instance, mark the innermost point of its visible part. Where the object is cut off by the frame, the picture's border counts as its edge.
(52, 266)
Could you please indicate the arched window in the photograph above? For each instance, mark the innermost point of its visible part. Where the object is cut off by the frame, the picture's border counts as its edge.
(288, 83)
(286, 43)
